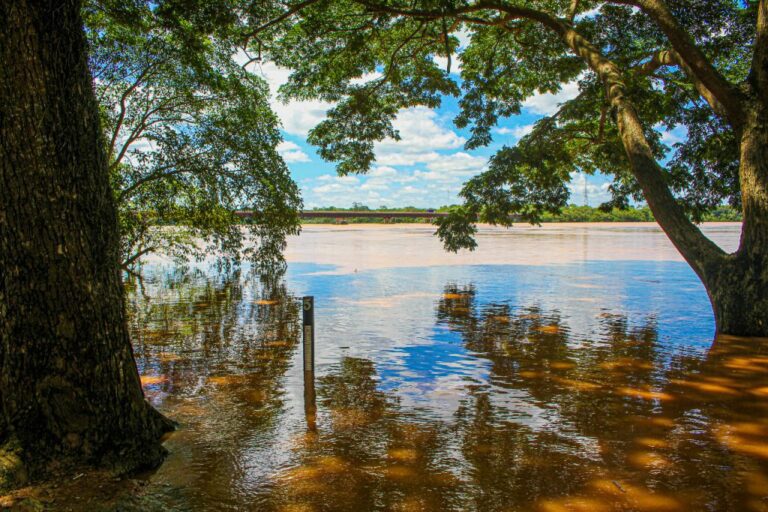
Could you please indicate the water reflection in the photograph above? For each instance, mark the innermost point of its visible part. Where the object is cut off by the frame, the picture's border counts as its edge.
(566, 414)
(212, 353)
(624, 430)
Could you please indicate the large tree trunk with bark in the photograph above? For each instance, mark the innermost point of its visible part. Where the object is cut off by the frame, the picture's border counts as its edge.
(738, 286)
(69, 387)
(738, 291)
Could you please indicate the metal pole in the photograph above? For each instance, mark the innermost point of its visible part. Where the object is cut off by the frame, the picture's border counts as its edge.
(308, 304)
(308, 321)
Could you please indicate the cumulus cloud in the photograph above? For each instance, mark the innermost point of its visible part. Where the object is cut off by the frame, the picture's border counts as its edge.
(421, 137)
(382, 186)
(464, 36)
(590, 13)
(298, 117)
(368, 77)
(458, 164)
(442, 63)
(518, 132)
(547, 104)
(671, 137)
(383, 172)
(596, 193)
(333, 178)
(291, 152)
(391, 157)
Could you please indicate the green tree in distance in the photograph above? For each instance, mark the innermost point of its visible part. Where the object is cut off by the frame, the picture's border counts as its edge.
(699, 64)
(190, 134)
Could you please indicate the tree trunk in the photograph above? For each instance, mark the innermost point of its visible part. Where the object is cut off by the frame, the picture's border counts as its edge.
(738, 291)
(738, 287)
(737, 284)
(69, 387)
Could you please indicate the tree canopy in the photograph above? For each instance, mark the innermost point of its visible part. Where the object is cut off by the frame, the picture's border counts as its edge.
(189, 132)
(511, 55)
(641, 66)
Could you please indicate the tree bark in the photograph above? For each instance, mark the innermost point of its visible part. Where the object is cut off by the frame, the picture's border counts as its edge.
(737, 284)
(69, 387)
(738, 287)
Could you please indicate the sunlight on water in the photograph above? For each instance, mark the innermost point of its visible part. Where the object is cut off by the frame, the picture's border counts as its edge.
(581, 386)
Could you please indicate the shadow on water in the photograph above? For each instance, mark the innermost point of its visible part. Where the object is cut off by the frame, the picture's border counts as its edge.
(564, 417)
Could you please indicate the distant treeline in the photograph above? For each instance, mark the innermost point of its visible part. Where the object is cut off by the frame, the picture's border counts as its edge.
(570, 213)
(357, 207)
(575, 213)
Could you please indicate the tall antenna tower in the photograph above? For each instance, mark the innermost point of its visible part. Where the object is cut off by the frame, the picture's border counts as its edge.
(586, 193)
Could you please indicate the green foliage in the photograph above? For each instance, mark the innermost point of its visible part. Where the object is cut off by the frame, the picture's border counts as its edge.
(190, 134)
(574, 213)
(509, 58)
(457, 230)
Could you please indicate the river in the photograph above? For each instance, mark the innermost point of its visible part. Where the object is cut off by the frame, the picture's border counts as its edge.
(569, 367)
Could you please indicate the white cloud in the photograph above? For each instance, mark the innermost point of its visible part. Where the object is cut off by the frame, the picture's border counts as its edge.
(464, 36)
(375, 185)
(368, 77)
(291, 152)
(349, 180)
(421, 136)
(590, 13)
(518, 132)
(383, 172)
(671, 137)
(442, 63)
(298, 117)
(548, 103)
(596, 193)
(384, 186)
(452, 169)
(389, 157)
(461, 164)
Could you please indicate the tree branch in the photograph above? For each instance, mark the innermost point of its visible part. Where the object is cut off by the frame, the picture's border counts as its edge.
(694, 61)
(153, 176)
(672, 58)
(760, 57)
(287, 14)
(124, 109)
(573, 10)
(696, 248)
(127, 263)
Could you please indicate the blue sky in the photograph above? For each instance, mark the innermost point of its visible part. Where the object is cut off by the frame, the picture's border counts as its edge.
(426, 168)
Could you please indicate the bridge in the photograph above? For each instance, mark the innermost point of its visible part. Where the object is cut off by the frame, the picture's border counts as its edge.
(356, 214)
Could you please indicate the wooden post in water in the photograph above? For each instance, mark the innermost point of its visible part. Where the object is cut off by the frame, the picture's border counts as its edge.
(308, 307)
(308, 323)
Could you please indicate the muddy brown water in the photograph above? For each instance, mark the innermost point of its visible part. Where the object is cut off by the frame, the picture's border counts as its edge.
(555, 369)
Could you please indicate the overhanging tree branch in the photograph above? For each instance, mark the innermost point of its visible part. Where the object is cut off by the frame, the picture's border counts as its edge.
(287, 14)
(760, 57)
(696, 248)
(694, 61)
(672, 58)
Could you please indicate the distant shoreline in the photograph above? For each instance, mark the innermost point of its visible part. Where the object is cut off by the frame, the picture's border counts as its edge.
(516, 224)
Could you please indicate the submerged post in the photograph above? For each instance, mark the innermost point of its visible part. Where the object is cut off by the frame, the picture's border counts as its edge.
(308, 304)
(308, 317)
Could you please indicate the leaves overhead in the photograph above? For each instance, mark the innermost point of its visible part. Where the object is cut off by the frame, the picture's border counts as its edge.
(375, 57)
(190, 134)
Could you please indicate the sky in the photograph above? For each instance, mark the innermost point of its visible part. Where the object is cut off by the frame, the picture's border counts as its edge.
(426, 168)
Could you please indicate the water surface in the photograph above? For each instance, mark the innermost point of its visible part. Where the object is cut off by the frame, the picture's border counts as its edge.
(554, 369)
